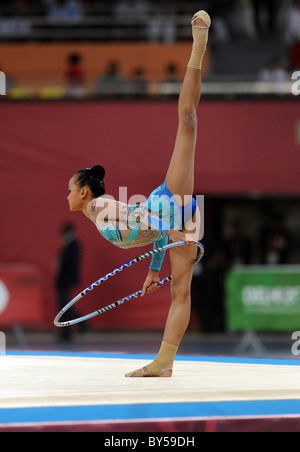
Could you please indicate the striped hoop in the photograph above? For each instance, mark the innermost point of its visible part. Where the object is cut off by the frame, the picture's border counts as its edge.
(111, 274)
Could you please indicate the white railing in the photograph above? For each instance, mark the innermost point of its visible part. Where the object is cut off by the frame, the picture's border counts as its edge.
(56, 87)
(102, 28)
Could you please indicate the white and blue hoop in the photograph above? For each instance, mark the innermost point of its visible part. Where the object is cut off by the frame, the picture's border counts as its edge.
(113, 273)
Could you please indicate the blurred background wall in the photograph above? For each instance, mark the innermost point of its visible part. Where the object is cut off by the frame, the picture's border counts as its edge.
(91, 82)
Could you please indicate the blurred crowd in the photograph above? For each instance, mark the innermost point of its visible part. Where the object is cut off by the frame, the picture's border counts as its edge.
(163, 18)
(271, 26)
(113, 84)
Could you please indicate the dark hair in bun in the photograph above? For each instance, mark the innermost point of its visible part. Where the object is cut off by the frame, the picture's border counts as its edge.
(93, 178)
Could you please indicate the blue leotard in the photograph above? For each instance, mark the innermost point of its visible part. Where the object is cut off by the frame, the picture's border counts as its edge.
(162, 213)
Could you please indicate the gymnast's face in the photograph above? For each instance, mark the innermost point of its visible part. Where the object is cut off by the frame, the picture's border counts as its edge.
(75, 195)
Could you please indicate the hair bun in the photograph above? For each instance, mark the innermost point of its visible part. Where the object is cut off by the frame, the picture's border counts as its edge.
(98, 172)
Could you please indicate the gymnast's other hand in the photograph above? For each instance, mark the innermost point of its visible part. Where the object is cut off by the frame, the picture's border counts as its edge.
(150, 284)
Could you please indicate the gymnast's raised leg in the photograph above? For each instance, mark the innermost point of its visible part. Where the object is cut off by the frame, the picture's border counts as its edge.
(180, 181)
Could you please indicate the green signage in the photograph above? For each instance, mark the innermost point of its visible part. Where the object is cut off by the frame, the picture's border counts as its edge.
(263, 298)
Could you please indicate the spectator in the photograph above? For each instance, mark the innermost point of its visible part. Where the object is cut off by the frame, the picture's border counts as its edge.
(275, 243)
(275, 75)
(75, 76)
(169, 86)
(293, 34)
(131, 17)
(269, 8)
(66, 11)
(69, 257)
(224, 20)
(237, 247)
(207, 288)
(242, 19)
(137, 87)
(161, 29)
(172, 74)
(112, 83)
(132, 9)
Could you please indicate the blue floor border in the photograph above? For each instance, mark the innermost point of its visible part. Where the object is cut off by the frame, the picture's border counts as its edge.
(102, 413)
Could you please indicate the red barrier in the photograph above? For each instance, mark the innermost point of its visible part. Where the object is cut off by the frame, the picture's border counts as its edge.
(20, 296)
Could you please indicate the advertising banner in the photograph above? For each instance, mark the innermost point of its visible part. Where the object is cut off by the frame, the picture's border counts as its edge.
(263, 298)
(21, 301)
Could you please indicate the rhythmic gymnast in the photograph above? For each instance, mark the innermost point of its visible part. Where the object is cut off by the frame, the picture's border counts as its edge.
(170, 212)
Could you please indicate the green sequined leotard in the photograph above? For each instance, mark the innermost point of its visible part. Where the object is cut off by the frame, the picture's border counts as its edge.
(161, 212)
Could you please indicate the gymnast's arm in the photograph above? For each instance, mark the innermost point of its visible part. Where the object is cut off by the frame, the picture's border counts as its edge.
(157, 258)
(153, 274)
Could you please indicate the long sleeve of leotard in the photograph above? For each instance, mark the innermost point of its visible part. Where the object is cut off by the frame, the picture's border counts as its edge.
(157, 258)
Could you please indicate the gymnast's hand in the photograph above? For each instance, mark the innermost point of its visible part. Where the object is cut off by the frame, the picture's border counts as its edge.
(150, 282)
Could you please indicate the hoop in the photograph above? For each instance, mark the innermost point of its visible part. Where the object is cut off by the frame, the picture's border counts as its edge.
(113, 273)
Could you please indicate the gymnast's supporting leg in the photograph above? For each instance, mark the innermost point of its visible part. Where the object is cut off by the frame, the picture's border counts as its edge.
(182, 264)
(180, 181)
